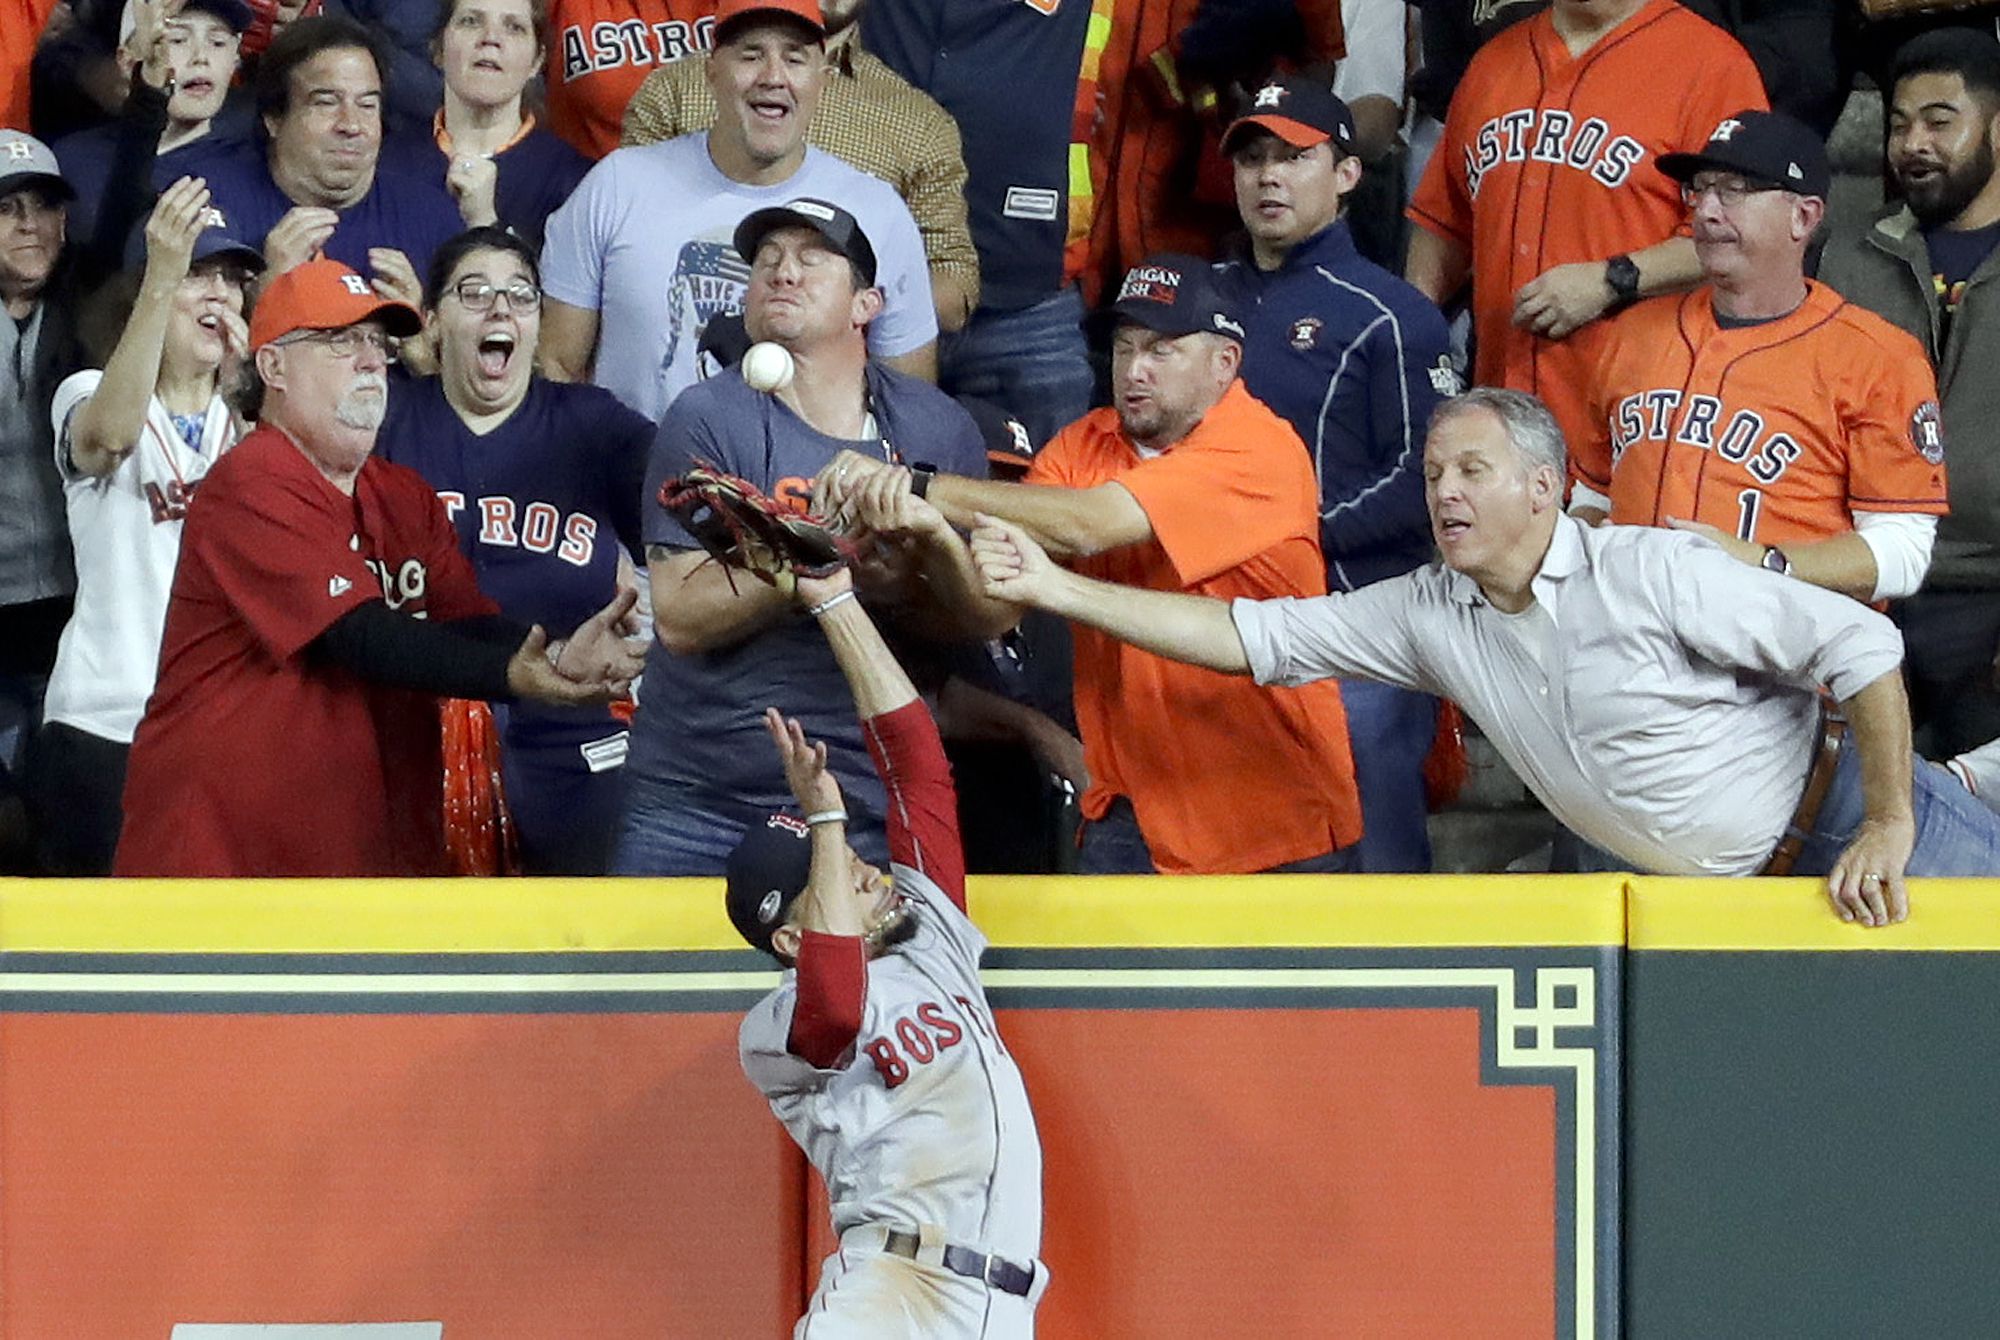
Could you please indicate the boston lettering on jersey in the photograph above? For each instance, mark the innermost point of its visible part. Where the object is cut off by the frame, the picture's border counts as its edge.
(1653, 416)
(588, 48)
(921, 1036)
(1557, 137)
(539, 528)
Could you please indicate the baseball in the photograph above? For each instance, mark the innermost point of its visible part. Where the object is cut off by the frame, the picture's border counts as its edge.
(767, 366)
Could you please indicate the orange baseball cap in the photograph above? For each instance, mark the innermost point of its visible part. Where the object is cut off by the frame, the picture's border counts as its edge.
(729, 12)
(324, 295)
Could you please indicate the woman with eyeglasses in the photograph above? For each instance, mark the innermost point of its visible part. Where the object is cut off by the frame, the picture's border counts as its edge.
(133, 441)
(489, 51)
(542, 481)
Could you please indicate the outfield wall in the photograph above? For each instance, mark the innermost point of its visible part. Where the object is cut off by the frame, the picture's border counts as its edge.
(1270, 1107)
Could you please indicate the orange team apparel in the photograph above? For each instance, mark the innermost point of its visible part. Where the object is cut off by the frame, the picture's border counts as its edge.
(600, 51)
(1548, 158)
(1775, 432)
(1224, 776)
(21, 24)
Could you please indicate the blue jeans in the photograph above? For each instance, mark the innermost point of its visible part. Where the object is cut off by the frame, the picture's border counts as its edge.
(1390, 730)
(1031, 362)
(1957, 836)
(1114, 845)
(666, 831)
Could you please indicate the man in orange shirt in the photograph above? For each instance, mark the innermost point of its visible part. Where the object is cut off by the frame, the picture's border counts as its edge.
(1542, 190)
(1796, 429)
(1185, 483)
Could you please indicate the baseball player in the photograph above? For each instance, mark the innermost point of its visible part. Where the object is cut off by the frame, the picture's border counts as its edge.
(878, 1050)
(1541, 190)
(1798, 430)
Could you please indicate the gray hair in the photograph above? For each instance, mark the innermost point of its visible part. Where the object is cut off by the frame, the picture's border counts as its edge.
(1526, 421)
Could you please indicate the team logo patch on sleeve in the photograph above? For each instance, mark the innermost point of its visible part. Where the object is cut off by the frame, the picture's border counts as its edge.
(1305, 332)
(1444, 377)
(1927, 432)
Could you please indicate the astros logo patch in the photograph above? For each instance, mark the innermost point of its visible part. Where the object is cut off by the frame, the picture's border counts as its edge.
(1271, 95)
(1305, 332)
(1726, 130)
(1927, 432)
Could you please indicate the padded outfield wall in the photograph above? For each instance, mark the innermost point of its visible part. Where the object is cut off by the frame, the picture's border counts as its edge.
(1283, 1106)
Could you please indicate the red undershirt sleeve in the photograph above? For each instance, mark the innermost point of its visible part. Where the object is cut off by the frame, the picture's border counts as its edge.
(833, 988)
(923, 807)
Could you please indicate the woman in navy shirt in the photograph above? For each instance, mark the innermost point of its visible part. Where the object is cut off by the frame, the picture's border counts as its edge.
(489, 50)
(542, 482)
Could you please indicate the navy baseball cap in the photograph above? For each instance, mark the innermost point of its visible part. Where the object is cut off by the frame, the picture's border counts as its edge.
(841, 230)
(1769, 147)
(215, 240)
(765, 875)
(26, 161)
(233, 13)
(1010, 447)
(1173, 294)
(1301, 112)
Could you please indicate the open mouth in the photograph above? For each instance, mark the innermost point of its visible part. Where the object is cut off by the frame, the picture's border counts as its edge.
(485, 63)
(209, 321)
(1452, 528)
(197, 86)
(770, 110)
(495, 353)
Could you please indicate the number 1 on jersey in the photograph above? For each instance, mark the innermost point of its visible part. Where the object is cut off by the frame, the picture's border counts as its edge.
(1747, 504)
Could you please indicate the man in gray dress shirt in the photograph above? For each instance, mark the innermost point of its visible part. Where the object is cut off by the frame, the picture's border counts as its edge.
(1661, 699)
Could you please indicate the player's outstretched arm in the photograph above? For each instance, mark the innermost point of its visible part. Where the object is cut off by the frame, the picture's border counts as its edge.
(1194, 629)
(828, 905)
(874, 676)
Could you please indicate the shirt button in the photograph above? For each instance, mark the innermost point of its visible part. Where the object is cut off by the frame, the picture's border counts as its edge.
(354, 543)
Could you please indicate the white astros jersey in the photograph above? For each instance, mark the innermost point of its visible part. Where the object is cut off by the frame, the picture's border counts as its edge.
(928, 1124)
(127, 528)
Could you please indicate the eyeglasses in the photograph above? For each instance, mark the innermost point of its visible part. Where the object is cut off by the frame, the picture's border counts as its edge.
(1729, 191)
(477, 295)
(345, 342)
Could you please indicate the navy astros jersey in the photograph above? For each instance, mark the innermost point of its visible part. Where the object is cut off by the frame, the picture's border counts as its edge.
(541, 503)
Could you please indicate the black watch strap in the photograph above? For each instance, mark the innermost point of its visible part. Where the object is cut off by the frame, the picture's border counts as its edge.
(921, 475)
(1622, 274)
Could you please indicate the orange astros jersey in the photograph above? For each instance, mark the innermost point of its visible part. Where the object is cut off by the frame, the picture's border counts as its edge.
(600, 51)
(1774, 432)
(1548, 158)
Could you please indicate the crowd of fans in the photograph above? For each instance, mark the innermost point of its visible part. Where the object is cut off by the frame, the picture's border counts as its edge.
(1143, 295)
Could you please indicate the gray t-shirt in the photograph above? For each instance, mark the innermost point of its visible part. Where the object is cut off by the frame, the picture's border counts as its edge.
(699, 728)
(645, 243)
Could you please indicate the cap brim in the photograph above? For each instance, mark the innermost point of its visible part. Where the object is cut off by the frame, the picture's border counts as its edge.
(760, 224)
(55, 184)
(1156, 317)
(241, 252)
(1295, 133)
(735, 23)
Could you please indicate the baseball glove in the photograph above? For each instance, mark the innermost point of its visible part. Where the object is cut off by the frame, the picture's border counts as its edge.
(743, 527)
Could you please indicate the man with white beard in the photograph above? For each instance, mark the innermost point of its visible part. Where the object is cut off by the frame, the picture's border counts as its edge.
(320, 608)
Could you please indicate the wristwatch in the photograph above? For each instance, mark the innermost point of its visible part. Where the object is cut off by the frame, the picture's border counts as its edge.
(1622, 274)
(1774, 560)
(921, 475)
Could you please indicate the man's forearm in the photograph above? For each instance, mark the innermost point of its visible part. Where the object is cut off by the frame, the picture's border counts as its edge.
(1842, 563)
(1436, 265)
(1879, 716)
(1667, 267)
(1194, 629)
(1067, 522)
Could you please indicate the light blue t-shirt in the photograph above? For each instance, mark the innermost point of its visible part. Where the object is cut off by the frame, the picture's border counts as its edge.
(645, 243)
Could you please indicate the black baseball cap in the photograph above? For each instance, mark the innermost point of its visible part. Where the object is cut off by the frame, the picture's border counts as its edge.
(234, 13)
(1173, 294)
(215, 239)
(1010, 447)
(1301, 112)
(841, 230)
(766, 874)
(1767, 146)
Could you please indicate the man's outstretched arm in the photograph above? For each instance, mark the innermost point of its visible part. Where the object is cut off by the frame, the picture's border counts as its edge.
(1194, 629)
